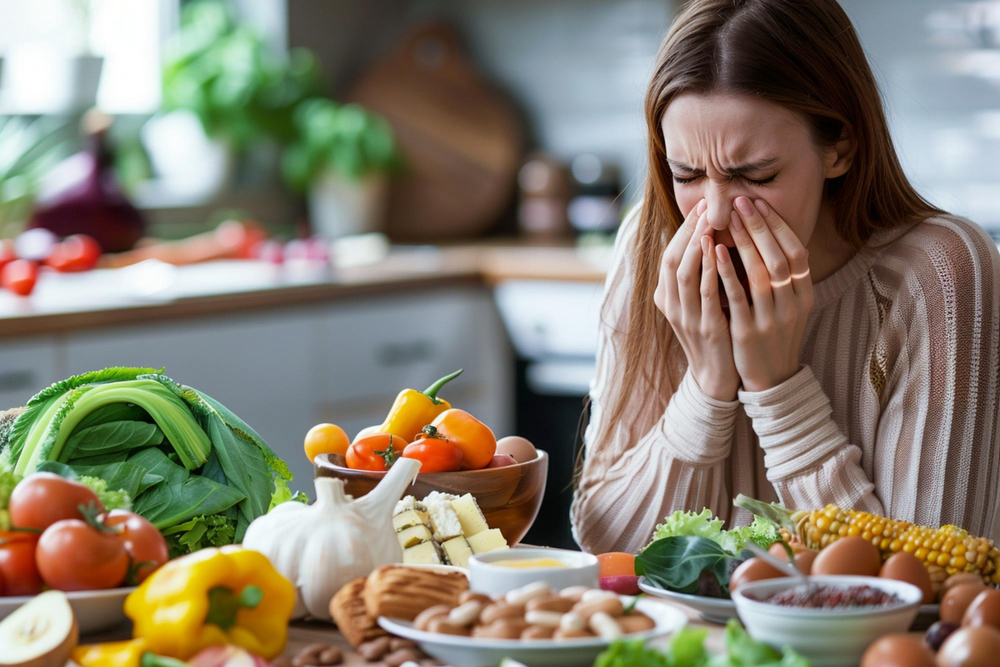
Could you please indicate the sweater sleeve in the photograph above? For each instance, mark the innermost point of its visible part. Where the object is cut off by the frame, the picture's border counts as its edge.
(655, 459)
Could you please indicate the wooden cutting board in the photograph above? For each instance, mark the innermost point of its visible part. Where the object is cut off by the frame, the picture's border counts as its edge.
(460, 138)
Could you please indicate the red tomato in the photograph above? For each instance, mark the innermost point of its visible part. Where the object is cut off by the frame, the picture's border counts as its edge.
(435, 454)
(44, 498)
(143, 542)
(374, 452)
(78, 252)
(17, 563)
(73, 555)
(19, 276)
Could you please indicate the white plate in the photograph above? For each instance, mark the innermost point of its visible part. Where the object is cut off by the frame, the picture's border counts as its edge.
(94, 610)
(713, 610)
(720, 610)
(470, 652)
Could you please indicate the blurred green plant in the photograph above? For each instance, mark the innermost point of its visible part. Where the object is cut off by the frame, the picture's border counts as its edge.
(28, 149)
(224, 73)
(345, 139)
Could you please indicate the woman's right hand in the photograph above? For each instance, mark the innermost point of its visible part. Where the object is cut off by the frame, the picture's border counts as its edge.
(691, 305)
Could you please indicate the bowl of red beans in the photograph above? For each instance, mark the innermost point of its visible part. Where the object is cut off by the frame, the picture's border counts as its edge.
(831, 620)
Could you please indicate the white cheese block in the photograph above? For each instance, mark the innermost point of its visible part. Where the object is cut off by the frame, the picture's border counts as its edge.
(424, 553)
(457, 551)
(413, 535)
(488, 540)
(444, 520)
(469, 514)
(408, 518)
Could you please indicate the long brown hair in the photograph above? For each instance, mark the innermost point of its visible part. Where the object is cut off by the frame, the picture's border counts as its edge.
(803, 55)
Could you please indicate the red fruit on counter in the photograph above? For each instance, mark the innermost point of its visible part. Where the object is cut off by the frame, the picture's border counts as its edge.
(78, 252)
(501, 461)
(622, 584)
(19, 277)
(75, 555)
(17, 563)
(270, 251)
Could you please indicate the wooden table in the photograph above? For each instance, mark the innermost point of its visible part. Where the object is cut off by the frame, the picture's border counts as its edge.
(304, 633)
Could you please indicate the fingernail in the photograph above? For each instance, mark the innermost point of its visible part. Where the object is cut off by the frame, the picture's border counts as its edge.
(762, 206)
(722, 254)
(736, 222)
(705, 245)
(743, 206)
(702, 205)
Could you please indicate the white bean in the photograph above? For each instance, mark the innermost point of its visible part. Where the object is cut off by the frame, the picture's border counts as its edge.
(465, 614)
(574, 592)
(550, 619)
(529, 592)
(597, 594)
(604, 626)
(572, 622)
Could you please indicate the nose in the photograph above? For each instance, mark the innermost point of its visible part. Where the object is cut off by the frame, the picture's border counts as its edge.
(720, 206)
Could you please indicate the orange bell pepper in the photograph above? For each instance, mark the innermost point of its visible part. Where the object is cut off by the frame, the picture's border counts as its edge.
(472, 437)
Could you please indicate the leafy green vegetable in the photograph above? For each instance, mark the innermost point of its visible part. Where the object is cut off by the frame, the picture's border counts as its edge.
(193, 468)
(199, 533)
(282, 494)
(8, 480)
(704, 524)
(676, 563)
(112, 500)
(687, 649)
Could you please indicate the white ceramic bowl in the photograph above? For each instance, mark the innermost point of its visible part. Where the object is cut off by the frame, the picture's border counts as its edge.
(94, 610)
(484, 577)
(474, 652)
(828, 638)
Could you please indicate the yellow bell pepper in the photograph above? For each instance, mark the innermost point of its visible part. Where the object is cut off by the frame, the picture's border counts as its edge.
(213, 597)
(133, 653)
(413, 410)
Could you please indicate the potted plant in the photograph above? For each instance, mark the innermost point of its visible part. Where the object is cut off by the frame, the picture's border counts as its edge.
(221, 82)
(341, 156)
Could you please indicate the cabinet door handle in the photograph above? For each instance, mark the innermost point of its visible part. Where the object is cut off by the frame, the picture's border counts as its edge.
(17, 380)
(402, 354)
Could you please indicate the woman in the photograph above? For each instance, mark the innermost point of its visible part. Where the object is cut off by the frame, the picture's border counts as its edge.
(857, 360)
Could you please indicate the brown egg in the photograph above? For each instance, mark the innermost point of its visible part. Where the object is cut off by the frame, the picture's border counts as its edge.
(778, 549)
(984, 610)
(970, 647)
(753, 569)
(518, 448)
(957, 600)
(803, 557)
(848, 555)
(907, 567)
(958, 580)
(898, 651)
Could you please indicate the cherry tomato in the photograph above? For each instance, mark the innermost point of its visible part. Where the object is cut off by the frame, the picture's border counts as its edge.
(474, 438)
(326, 439)
(143, 542)
(19, 276)
(374, 452)
(74, 555)
(17, 563)
(78, 252)
(434, 453)
(44, 498)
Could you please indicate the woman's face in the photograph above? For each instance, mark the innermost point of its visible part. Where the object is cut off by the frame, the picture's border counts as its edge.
(723, 146)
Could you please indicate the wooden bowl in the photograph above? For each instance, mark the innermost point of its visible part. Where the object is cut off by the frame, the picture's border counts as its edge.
(509, 497)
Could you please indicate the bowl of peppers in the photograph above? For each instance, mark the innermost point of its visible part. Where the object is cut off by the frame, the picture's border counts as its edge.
(458, 454)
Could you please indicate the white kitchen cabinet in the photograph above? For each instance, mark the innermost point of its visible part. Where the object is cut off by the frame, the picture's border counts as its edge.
(25, 368)
(343, 362)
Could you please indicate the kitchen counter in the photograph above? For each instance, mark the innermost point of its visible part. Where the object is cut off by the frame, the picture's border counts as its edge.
(156, 292)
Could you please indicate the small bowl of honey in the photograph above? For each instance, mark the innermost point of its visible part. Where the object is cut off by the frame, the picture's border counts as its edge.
(498, 572)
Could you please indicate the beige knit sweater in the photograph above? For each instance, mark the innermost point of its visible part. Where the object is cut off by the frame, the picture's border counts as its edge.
(895, 410)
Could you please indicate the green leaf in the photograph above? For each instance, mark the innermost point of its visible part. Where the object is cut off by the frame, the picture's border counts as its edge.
(167, 505)
(200, 532)
(155, 462)
(126, 476)
(245, 469)
(676, 563)
(109, 438)
(116, 412)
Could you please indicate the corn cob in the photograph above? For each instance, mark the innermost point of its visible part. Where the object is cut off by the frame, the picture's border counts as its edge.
(944, 551)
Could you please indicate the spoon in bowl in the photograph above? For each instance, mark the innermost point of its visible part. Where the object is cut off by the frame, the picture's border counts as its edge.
(788, 567)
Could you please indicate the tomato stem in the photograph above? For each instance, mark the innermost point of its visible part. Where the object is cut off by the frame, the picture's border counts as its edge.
(430, 431)
(388, 455)
(91, 514)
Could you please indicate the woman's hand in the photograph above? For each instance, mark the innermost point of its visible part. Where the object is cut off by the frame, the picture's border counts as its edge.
(691, 305)
(767, 336)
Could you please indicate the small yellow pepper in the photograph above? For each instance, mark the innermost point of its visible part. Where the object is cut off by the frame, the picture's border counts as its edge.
(213, 597)
(413, 410)
(133, 653)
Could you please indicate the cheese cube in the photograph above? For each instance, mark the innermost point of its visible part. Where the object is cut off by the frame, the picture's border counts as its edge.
(488, 540)
(413, 535)
(443, 519)
(408, 518)
(457, 551)
(424, 553)
(469, 514)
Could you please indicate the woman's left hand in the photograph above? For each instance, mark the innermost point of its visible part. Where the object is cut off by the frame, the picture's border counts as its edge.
(767, 336)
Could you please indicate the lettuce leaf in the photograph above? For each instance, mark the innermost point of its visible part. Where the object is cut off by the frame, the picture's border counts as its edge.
(214, 530)
(704, 524)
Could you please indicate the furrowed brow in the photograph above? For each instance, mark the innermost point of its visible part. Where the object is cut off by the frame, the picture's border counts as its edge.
(755, 166)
